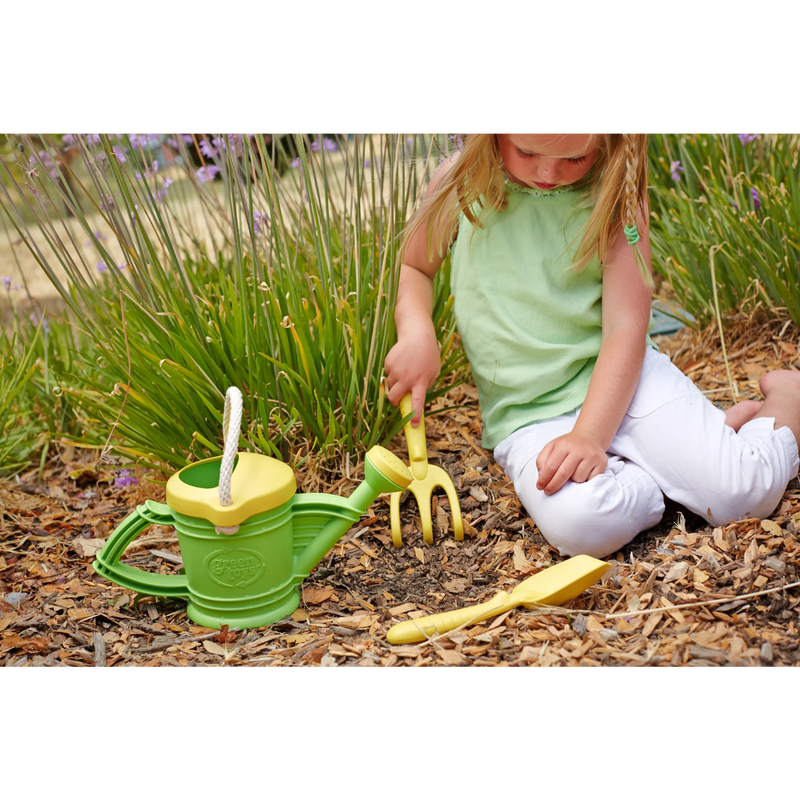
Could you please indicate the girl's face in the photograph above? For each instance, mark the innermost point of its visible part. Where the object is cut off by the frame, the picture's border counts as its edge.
(545, 161)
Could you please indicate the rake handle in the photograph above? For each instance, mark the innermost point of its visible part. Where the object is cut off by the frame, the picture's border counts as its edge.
(415, 440)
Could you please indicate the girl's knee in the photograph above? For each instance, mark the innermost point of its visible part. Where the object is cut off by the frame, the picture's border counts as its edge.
(592, 535)
(595, 520)
(759, 502)
(752, 481)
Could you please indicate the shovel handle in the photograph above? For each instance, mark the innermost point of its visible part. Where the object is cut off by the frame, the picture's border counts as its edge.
(416, 630)
(107, 564)
(415, 439)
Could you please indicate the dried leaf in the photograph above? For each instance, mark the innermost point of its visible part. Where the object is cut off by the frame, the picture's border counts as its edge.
(478, 494)
(8, 619)
(651, 623)
(452, 658)
(771, 527)
(442, 520)
(327, 661)
(698, 576)
(404, 609)
(677, 571)
(456, 585)
(420, 554)
(214, 648)
(719, 540)
(521, 563)
(87, 547)
(314, 595)
(357, 621)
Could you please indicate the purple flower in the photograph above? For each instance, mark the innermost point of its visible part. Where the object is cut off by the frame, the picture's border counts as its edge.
(457, 141)
(124, 478)
(68, 139)
(756, 199)
(187, 138)
(155, 166)
(163, 190)
(206, 173)
(119, 154)
(675, 170)
(101, 266)
(45, 156)
(294, 163)
(257, 217)
(92, 138)
(7, 283)
(329, 145)
(206, 149)
(746, 138)
(172, 143)
(45, 326)
(137, 175)
(367, 162)
(315, 146)
(219, 144)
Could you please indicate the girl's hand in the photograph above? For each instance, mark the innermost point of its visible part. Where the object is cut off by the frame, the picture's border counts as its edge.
(573, 456)
(412, 365)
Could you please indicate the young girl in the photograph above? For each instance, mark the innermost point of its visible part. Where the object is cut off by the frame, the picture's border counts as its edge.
(551, 279)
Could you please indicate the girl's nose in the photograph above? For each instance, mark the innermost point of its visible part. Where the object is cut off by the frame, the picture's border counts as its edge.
(549, 168)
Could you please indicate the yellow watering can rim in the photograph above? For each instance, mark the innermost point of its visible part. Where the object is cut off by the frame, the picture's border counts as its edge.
(259, 483)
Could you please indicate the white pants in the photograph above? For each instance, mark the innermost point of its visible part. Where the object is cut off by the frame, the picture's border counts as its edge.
(673, 441)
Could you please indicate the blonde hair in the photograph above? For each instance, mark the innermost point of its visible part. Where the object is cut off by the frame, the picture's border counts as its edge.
(617, 186)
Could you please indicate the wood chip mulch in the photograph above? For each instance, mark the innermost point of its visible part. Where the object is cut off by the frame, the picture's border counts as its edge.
(55, 611)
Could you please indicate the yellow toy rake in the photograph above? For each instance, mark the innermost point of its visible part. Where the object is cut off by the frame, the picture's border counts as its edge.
(427, 477)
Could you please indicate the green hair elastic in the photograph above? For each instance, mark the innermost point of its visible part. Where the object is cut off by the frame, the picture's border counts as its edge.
(631, 234)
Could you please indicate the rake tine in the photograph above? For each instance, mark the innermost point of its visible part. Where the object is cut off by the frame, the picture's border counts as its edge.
(394, 517)
(455, 508)
(424, 504)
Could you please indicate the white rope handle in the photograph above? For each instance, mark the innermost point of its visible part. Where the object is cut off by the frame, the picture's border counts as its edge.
(231, 425)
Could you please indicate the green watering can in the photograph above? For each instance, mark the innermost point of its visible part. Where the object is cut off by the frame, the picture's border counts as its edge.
(246, 538)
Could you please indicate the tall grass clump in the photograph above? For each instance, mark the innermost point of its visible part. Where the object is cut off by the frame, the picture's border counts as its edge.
(22, 427)
(35, 356)
(738, 194)
(191, 263)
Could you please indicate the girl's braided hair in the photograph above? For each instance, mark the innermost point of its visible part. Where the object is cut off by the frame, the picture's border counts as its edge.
(617, 185)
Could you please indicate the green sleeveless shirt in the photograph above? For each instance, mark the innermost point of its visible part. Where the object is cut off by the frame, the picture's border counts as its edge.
(530, 325)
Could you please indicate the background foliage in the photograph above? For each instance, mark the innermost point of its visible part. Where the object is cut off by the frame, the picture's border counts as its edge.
(188, 263)
(739, 193)
(212, 261)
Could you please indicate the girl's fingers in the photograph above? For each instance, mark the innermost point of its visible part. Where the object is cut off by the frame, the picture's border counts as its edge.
(554, 474)
(583, 472)
(545, 472)
(562, 475)
(417, 403)
(396, 392)
(558, 467)
(598, 470)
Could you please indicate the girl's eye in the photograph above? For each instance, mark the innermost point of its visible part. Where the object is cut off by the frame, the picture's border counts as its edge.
(528, 156)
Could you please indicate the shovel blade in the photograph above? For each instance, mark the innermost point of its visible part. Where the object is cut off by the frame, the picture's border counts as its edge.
(556, 585)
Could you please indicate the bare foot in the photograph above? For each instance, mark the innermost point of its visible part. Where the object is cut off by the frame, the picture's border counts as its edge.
(781, 389)
(742, 412)
(780, 379)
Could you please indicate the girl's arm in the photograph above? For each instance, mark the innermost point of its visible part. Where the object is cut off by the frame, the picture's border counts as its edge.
(413, 364)
(581, 454)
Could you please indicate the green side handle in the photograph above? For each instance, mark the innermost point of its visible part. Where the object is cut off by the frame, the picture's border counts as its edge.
(107, 562)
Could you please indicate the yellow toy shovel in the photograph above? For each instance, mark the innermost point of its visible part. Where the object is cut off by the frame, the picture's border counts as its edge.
(426, 478)
(552, 586)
